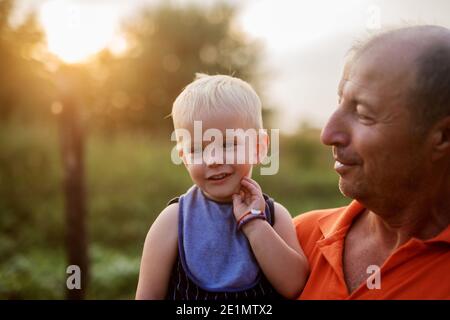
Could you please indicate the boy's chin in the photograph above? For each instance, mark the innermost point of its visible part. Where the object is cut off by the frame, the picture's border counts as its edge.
(225, 196)
(220, 198)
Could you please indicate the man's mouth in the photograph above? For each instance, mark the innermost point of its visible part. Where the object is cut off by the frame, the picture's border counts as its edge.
(218, 177)
(344, 158)
(342, 167)
(338, 165)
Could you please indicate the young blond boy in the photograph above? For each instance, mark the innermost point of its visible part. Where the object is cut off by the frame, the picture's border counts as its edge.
(222, 239)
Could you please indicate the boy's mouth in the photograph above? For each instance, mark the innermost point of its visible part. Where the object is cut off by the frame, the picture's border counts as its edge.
(219, 177)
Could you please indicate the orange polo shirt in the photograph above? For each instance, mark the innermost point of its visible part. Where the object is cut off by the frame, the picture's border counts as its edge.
(416, 270)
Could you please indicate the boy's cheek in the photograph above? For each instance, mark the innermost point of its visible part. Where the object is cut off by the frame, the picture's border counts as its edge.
(248, 173)
(244, 170)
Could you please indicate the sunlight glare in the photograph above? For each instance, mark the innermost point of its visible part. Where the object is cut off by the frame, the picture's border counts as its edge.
(75, 31)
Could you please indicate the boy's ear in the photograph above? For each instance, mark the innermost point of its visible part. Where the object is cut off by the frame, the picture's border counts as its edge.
(181, 153)
(441, 139)
(263, 146)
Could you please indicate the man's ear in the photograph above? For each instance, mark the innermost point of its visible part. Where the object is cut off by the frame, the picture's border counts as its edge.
(441, 139)
(263, 146)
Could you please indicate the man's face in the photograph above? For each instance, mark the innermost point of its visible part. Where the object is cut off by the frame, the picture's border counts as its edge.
(377, 153)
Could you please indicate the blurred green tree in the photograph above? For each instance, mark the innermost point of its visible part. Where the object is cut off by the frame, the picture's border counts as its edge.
(25, 90)
(168, 45)
(7, 60)
(23, 95)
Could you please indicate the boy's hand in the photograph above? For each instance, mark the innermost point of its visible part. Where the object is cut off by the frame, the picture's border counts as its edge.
(250, 197)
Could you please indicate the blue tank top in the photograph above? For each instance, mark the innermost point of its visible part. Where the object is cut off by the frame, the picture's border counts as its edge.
(214, 257)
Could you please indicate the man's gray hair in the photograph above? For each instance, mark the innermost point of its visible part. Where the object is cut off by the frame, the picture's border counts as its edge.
(431, 91)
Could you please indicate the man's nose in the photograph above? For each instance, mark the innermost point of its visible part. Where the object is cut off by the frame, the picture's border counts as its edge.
(336, 131)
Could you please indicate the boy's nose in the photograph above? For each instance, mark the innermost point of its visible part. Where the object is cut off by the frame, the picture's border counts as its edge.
(211, 161)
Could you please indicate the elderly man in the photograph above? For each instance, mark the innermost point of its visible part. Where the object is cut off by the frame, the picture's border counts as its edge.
(390, 136)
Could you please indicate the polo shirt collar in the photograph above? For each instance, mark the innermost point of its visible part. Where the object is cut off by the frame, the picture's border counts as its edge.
(333, 229)
(443, 237)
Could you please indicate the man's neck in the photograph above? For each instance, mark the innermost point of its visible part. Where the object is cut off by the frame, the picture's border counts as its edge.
(418, 220)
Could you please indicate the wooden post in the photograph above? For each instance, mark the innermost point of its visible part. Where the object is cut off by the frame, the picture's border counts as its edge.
(72, 151)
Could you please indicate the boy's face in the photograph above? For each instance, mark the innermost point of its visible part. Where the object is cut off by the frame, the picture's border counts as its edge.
(219, 174)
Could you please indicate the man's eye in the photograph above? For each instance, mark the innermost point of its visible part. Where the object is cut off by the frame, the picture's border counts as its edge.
(363, 114)
(364, 118)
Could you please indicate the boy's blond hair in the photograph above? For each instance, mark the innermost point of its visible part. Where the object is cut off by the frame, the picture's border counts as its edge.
(209, 95)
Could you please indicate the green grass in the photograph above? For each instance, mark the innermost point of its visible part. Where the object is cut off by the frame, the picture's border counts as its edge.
(129, 179)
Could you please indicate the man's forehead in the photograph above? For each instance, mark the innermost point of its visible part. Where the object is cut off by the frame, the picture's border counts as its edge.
(393, 56)
(369, 86)
(352, 77)
(397, 49)
(384, 67)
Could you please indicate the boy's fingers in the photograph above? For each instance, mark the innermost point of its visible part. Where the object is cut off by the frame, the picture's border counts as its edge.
(238, 199)
(248, 193)
(253, 182)
(251, 187)
(244, 187)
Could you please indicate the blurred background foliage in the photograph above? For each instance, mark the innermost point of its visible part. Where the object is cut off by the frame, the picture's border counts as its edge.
(124, 102)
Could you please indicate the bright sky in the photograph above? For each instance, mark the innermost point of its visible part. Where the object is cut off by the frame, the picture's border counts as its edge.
(77, 29)
(305, 41)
